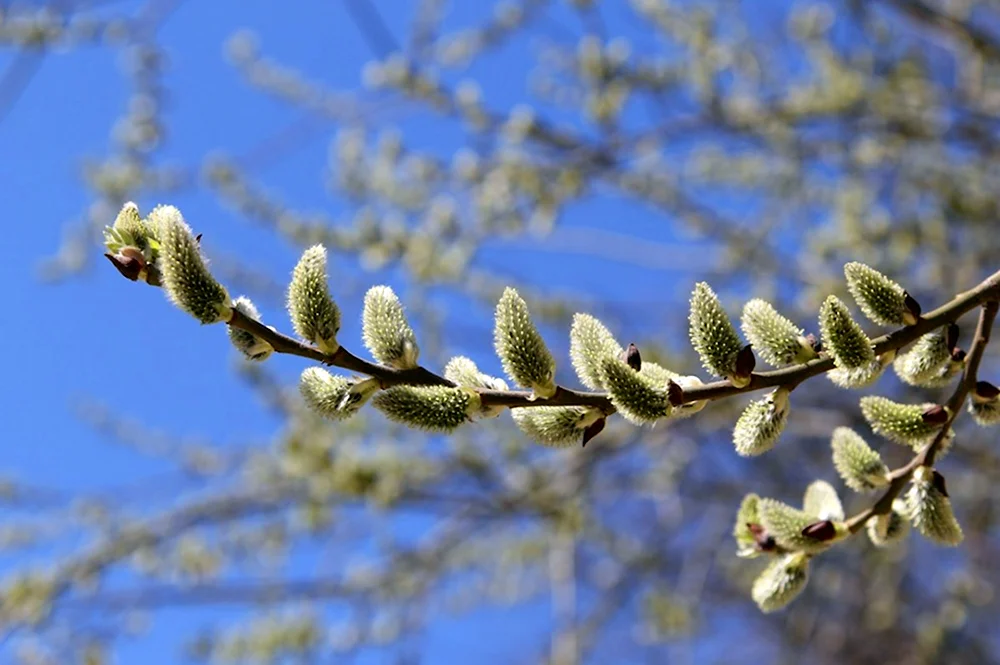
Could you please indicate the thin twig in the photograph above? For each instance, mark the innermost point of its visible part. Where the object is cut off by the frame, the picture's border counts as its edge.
(901, 476)
(987, 290)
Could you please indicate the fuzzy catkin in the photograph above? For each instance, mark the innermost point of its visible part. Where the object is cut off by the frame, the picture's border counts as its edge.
(843, 338)
(431, 408)
(186, 278)
(761, 423)
(785, 524)
(881, 299)
(251, 346)
(386, 332)
(900, 423)
(774, 337)
(639, 399)
(781, 582)
(555, 426)
(712, 334)
(520, 347)
(921, 365)
(929, 508)
(314, 314)
(590, 344)
(861, 468)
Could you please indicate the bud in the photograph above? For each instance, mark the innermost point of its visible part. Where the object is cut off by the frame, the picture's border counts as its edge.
(462, 371)
(556, 426)
(761, 424)
(131, 267)
(900, 423)
(843, 339)
(590, 342)
(251, 346)
(315, 317)
(861, 467)
(777, 340)
(713, 335)
(881, 299)
(186, 278)
(129, 230)
(786, 525)
(751, 541)
(638, 398)
(385, 330)
(631, 357)
(929, 508)
(521, 348)
(781, 582)
(675, 391)
(984, 405)
(883, 530)
(431, 408)
(922, 364)
(129, 221)
(334, 397)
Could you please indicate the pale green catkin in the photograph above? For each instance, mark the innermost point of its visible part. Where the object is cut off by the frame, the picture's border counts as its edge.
(774, 338)
(520, 347)
(251, 346)
(781, 582)
(431, 408)
(712, 333)
(314, 314)
(590, 344)
(555, 426)
(386, 332)
(861, 468)
(186, 278)
(881, 299)
(843, 338)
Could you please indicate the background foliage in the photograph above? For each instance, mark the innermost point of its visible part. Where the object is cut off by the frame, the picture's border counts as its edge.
(165, 501)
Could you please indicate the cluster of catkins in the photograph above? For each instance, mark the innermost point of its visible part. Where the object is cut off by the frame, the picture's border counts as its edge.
(161, 250)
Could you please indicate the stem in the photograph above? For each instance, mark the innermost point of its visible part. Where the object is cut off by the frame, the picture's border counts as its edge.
(901, 476)
(789, 377)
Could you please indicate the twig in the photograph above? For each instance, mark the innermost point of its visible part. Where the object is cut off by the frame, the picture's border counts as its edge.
(986, 291)
(901, 476)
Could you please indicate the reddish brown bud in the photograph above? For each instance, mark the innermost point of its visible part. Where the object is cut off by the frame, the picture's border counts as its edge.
(632, 358)
(821, 531)
(958, 355)
(937, 481)
(745, 361)
(986, 390)
(593, 430)
(129, 266)
(951, 336)
(936, 415)
(912, 313)
(675, 394)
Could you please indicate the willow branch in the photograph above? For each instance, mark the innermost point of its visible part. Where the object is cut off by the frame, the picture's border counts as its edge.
(901, 476)
(791, 376)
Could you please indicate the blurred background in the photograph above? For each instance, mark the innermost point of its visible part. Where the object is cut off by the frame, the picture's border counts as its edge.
(163, 502)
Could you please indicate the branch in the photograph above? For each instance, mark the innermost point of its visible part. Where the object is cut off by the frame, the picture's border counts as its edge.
(789, 377)
(901, 476)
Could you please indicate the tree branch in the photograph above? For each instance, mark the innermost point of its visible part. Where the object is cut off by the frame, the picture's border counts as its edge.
(988, 290)
(901, 476)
